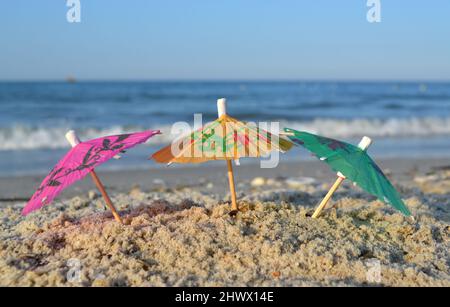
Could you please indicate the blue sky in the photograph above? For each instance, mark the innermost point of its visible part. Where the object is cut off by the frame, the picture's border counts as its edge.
(232, 39)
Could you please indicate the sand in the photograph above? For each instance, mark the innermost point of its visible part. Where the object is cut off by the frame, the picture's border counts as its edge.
(183, 236)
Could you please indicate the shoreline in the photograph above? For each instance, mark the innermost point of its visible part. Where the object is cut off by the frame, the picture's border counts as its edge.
(19, 163)
(20, 188)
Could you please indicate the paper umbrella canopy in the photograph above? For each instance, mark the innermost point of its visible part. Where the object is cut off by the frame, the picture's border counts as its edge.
(80, 161)
(223, 139)
(352, 162)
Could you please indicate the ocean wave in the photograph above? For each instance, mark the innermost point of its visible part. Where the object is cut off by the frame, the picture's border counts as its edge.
(20, 137)
(392, 127)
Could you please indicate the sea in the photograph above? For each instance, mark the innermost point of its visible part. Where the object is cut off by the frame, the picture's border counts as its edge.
(404, 119)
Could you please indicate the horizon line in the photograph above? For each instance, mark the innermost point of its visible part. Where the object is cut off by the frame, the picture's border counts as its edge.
(344, 80)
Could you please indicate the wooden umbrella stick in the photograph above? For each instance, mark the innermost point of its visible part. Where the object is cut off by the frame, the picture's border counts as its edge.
(327, 197)
(74, 141)
(363, 144)
(221, 110)
(105, 195)
(234, 207)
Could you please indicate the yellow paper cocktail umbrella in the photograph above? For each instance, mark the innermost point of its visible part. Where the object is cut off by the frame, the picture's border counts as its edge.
(223, 139)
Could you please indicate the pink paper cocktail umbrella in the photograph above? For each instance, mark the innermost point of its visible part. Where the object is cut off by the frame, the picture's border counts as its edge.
(80, 161)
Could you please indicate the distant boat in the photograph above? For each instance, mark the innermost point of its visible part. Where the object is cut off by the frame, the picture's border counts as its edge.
(71, 79)
(423, 88)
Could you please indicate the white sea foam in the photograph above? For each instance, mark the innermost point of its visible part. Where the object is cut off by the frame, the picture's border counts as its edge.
(394, 127)
(21, 137)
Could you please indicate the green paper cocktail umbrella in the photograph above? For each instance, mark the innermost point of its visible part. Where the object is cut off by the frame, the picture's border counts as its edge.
(351, 162)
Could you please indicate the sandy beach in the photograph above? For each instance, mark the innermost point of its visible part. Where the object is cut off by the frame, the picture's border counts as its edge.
(178, 231)
(114, 119)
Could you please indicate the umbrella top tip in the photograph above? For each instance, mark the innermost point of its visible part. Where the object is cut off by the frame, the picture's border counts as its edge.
(221, 106)
(365, 142)
(72, 138)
